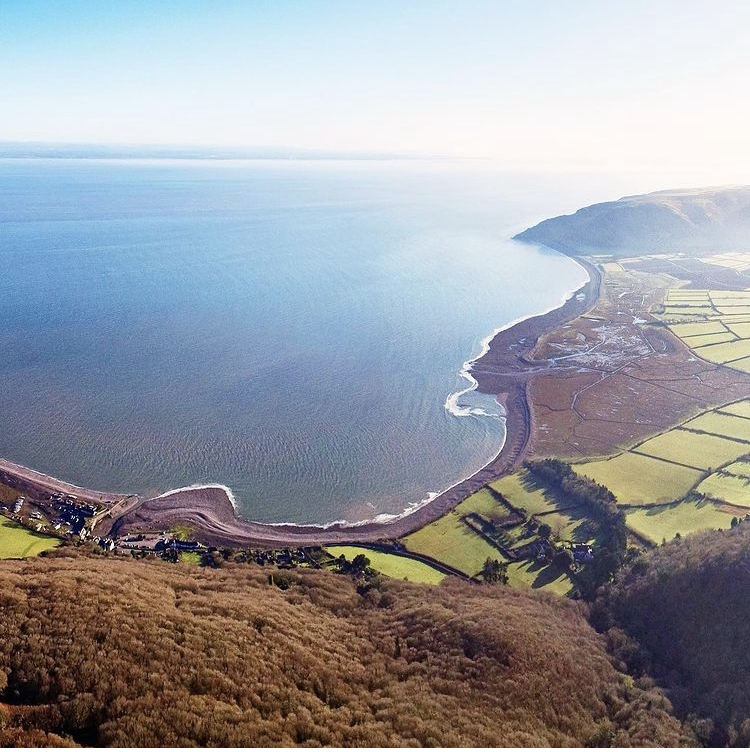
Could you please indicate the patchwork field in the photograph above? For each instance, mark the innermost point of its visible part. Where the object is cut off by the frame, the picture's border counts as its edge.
(638, 479)
(741, 468)
(699, 329)
(696, 450)
(568, 522)
(726, 351)
(392, 565)
(722, 424)
(737, 408)
(451, 541)
(701, 340)
(723, 486)
(739, 261)
(662, 523)
(715, 324)
(16, 542)
(672, 465)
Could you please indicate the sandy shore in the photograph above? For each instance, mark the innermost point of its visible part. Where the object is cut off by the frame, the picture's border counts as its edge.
(502, 371)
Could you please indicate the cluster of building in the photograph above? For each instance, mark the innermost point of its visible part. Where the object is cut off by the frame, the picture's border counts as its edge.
(285, 557)
(71, 515)
(61, 514)
(543, 549)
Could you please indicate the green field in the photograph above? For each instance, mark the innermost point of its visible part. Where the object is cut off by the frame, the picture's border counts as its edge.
(393, 565)
(636, 479)
(741, 468)
(521, 490)
(698, 450)
(685, 308)
(703, 340)
(530, 574)
(743, 364)
(722, 425)
(572, 525)
(727, 488)
(741, 330)
(484, 503)
(699, 328)
(702, 328)
(738, 408)
(735, 310)
(191, 557)
(16, 542)
(727, 352)
(452, 542)
(659, 523)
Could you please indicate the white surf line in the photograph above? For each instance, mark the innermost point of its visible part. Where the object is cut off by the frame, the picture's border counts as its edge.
(451, 401)
(199, 487)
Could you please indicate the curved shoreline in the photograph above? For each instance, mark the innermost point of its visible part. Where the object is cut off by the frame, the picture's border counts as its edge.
(500, 370)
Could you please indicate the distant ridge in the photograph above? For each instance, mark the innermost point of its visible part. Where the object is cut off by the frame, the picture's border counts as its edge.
(695, 221)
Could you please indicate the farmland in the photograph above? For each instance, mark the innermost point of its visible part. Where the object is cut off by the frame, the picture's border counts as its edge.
(714, 324)
(16, 542)
(452, 541)
(733, 260)
(392, 565)
(662, 523)
(455, 538)
(524, 492)
(737, 408)
(696, 450)
(688, 478)
(638, 479)
(670, 466)
(723, 486)
(568, 522)
(530, 574)
(722, 424)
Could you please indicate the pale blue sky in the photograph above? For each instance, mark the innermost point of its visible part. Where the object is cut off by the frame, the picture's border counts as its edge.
(532, 81)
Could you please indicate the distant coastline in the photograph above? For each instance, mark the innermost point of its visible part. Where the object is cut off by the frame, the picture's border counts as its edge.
(45, 150)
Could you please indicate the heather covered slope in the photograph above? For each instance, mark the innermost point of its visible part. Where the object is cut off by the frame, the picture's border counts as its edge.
(686, 610)
(691, 220)
(117, 652)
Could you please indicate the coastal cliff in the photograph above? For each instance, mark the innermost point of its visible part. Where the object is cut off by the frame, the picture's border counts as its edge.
(688, 220)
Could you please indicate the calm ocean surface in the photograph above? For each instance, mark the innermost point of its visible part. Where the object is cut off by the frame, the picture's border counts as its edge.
(290, 329)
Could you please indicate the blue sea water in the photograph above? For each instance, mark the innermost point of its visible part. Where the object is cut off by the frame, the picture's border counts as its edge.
(290, 329)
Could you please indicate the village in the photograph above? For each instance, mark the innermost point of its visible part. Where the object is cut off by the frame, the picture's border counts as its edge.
(82, 522)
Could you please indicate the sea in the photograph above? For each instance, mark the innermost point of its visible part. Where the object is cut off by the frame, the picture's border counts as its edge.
(297, 330)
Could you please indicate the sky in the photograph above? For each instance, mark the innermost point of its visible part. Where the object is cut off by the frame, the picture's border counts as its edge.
(527, 82)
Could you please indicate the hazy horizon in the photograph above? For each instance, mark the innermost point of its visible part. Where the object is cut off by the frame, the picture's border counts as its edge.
(543, 84)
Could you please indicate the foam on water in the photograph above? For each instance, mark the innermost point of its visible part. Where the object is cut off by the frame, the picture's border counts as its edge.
(452, 404)
(200, 487)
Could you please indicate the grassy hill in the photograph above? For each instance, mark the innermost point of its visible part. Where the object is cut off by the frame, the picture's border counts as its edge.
(110, 651)
(696, 220)
(682, 614)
